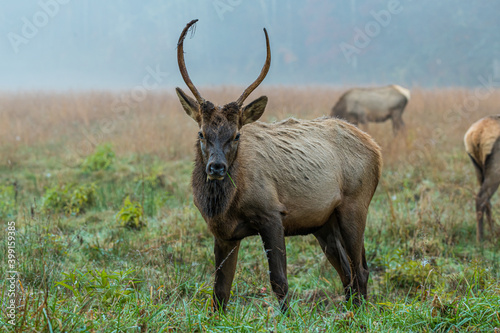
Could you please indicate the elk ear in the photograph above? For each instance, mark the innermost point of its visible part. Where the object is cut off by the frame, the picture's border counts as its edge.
(189, 104)
(253, 111)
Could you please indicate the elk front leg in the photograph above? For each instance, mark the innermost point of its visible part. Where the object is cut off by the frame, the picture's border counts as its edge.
(226, 257)
(274, 244)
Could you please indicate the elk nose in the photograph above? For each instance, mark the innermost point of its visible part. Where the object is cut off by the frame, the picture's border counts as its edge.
(217, 169)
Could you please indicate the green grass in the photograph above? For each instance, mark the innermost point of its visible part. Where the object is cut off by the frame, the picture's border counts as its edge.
(82, 270)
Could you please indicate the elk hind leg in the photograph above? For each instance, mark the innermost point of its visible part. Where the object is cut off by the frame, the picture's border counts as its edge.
(330, 241)
(351, 223)
(489, 218)
(490, 183)
(347, 256)
(397, 121)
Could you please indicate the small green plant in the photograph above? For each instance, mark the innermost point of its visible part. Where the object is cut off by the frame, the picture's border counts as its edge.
(131, 215)
(102, 159)
(404, 273)
(410, 273)
(151, 187)
(152, 179)
(7, 201)
(108, 288)
(69, 199)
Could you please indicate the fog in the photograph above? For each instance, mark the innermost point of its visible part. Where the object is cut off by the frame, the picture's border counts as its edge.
(74, 45)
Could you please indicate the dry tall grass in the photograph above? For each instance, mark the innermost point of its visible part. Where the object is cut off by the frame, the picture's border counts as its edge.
(69, 125)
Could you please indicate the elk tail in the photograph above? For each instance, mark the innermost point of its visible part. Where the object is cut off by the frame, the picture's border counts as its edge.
(344, 258)
(479, 167)
(403, 91)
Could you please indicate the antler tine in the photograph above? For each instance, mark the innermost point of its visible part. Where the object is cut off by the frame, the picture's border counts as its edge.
(182, 64)
(262, 75)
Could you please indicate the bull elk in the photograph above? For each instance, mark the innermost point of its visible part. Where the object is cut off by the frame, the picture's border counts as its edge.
(363, 105)
(293, 177)
(482, 145)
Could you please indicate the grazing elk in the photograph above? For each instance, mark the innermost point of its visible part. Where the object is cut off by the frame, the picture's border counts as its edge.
(293, 177)
(363, 105)
(483, 146)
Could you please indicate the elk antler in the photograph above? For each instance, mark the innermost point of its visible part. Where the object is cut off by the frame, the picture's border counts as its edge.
(182, 64)
(261, 77)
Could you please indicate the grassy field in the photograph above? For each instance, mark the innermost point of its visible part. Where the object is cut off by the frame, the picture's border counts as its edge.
(108, 239)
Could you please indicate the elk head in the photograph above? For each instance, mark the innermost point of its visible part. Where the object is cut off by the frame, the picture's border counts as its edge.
(219, 135)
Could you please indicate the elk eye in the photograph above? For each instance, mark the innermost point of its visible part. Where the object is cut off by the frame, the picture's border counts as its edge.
(200, 136)
(237, 137)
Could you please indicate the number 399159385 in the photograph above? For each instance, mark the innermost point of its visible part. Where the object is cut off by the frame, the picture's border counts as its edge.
(11, 244)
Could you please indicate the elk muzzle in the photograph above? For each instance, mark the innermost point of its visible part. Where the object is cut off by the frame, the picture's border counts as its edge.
(216, 167)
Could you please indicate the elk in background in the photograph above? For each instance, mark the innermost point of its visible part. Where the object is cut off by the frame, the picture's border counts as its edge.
(293, 177)
(363, 105)
(482, 145)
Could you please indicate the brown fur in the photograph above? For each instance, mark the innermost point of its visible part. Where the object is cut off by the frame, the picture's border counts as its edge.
(363, 105)
(483, 146)
(289, 178)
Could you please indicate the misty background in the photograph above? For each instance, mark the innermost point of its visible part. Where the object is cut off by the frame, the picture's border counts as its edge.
(69, 44)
